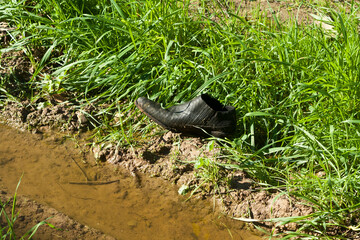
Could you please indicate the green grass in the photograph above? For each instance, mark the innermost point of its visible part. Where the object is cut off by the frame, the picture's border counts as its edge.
(7, 231)
(296, 88)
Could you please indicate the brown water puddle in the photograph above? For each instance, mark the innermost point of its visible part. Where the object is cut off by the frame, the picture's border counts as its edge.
(129, 208)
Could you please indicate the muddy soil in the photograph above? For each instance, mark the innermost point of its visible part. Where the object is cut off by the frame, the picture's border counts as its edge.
(120, 204)
(31, 213)
(170, 156)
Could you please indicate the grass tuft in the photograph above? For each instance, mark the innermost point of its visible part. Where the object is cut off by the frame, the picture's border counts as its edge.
(7, 230)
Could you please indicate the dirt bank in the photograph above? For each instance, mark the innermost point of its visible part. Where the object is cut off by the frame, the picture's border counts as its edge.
(121, 204)
(170, 156)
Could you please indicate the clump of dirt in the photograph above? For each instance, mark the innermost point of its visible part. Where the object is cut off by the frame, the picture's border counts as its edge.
(4, 36)
(16, 68)
(16, 62)
(264, 205)
(63, 117)
(31, 213)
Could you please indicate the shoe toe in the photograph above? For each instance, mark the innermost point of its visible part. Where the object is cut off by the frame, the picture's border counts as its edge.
(140, 101)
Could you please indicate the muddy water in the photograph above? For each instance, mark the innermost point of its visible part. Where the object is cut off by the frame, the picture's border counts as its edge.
(127, 207)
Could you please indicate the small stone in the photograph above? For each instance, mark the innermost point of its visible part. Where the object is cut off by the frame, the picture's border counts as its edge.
(183, 189)
(321, 174)
(100, 154)
(81, 118)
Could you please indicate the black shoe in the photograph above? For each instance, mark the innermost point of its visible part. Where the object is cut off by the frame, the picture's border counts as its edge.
(202, 116)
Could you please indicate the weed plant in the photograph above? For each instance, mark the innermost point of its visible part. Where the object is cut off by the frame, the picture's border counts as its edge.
(296, 87)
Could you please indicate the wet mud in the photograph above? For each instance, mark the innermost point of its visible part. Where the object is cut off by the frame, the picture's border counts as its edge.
(169, 156)
(119, 203)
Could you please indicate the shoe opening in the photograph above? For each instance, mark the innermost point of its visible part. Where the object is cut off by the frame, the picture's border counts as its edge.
(213, 103)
